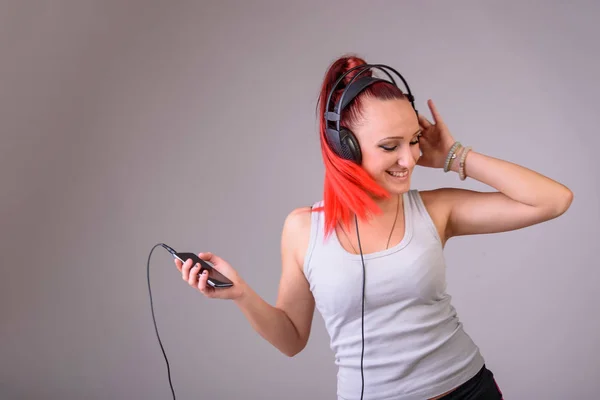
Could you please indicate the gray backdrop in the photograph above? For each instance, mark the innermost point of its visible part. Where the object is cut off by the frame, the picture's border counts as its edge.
(128, 123)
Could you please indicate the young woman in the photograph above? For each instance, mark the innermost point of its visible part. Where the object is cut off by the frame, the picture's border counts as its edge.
(398, 336)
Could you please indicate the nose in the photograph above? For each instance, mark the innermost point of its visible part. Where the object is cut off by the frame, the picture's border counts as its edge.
(406, 158)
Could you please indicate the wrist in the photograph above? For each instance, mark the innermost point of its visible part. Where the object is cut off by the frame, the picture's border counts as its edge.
(460, 164)
(457, 158)
(451, 155)
(455, 163)
(244, 293)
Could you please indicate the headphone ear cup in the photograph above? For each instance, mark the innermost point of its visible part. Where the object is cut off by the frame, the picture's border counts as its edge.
(350, 147)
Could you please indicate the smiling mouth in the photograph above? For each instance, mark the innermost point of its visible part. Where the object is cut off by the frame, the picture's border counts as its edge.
(398, 174)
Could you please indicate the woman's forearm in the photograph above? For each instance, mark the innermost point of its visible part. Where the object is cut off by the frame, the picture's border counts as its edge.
(272, 323)
(517, 182)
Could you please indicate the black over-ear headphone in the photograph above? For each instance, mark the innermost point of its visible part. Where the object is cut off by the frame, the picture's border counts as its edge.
(341, 139)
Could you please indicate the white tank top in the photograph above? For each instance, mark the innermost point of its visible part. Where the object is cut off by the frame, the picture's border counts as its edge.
(415, 345)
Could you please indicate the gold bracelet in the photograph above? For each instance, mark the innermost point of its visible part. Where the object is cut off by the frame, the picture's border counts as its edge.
(461, 168)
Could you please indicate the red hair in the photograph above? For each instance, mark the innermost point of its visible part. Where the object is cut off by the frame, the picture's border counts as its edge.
(348, 189)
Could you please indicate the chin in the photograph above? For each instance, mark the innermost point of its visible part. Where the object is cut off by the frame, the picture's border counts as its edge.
(397, 184)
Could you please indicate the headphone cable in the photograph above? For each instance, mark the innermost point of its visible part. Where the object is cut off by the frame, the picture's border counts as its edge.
(363, 311)
(362, 317)
(154, 319)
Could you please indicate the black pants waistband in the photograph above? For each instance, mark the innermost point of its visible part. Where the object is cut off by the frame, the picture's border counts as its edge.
(482, 386)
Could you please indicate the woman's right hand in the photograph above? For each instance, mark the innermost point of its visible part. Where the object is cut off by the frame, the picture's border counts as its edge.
(189, 273)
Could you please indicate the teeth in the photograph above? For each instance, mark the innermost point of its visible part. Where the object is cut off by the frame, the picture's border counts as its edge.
(398, 174)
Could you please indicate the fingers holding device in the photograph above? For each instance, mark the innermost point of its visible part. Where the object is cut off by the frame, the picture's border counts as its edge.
(196, 269)
(208, 273)
(184, 262)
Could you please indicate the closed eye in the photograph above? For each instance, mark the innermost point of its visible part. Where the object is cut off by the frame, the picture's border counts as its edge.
(389, 148)
(417, 140)
(412, 143)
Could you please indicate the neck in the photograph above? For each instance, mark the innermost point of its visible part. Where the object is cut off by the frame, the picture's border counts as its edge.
(390, 205)
(390, 208)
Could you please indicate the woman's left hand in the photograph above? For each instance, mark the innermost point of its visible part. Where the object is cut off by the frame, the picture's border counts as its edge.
(436, 141)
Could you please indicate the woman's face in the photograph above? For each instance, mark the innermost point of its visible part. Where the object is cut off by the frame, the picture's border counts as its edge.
(388, 134)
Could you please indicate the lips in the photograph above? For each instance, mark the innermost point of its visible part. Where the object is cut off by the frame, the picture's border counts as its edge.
(398, 174)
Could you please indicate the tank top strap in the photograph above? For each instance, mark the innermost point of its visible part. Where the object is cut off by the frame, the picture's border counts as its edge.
(419, 213)
(317, 227)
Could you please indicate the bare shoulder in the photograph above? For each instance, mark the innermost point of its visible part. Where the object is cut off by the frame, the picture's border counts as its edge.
(297, 222)
(441, 200)
(295, 235)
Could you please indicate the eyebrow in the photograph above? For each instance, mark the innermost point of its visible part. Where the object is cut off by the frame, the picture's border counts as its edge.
(400, 137)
